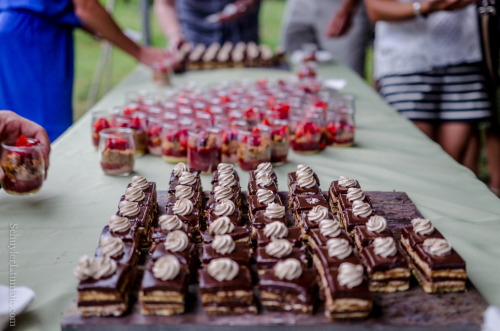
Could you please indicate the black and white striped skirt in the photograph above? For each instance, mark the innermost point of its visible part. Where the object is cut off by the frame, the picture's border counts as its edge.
(455, 93)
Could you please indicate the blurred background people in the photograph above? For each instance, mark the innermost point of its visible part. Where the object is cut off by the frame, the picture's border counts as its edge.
(36, 65)
(427, 60)
(340, 27)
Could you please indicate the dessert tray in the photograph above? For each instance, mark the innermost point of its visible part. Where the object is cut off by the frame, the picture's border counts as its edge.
(412, 310)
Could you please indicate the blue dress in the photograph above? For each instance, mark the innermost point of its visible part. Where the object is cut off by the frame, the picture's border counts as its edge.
(36, 61)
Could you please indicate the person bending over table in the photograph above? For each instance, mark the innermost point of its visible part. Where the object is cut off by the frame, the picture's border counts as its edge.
(36, 66)
(428, 66)
(13, 125)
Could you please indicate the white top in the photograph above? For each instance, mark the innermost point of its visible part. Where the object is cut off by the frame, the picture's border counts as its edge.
(420, 44)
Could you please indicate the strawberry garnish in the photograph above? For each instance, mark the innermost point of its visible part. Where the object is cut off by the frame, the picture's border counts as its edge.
(116, 143)
(265, 122)
(101, 124)
(22, 141)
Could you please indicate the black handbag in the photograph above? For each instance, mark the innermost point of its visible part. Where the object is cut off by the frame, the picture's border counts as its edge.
(489, 29)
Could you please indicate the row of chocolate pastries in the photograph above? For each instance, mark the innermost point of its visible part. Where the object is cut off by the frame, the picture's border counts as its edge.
(106, 279)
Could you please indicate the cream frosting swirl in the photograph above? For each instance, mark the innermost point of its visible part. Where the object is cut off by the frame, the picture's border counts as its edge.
(422, 226)
(338, 248)
(266, 168)
(223, 269)
(329, 228)
(179, 168)
(225, 168)
(134, 194)
(119, 224)
(384, 247)
(223, 244)
(177, 241)
(376, 224)
(221, 225)
(275, 230)
(187, 178)
(103, 267)
(183, 207)
(306, 181)
(227, 180)
(355, 193)
(140, 182)
(265, 196)
(222, 193)
(303, 170)
(184, 192)
(274, 210)
(83, 269)
(166, 267)
(346, 182)
(264, 180)
(224, 208)
(170, 222)
(350, 275)
(261, 174)
(279, 248)
(128, 208)
(437, 246)
(361, 209)
(289, 269)
(317, 214)
(112, 246)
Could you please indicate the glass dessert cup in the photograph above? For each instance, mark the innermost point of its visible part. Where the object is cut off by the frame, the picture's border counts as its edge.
(162, 72)
(154, 136)
(100, 121)
(23, 166)
(174, 143)
(117, 151)
(137, 122)
(204, 149)
(340, 126)
(229, 145)
(254, 147)
(306, 135)
(280, 142)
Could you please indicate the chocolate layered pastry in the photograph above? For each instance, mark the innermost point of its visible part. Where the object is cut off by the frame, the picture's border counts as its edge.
(120, 251)
(185, 192)
(266, 56)
(278, 250)
(261, 200)
(435, 264)
(386, 266)
(252, 55)
(376, 227)
(345, 201)
(358, 215)
(149, 189)
(263, 168)
(220, 193)
(135, 194)
(178, 245)
(209, 59)
(338, 187)
(327, 229)
(272, 213)
(229, 181)
(305, 203)
(225, 169)
(223, 246)
(187, 179)
(301, 170)
(226, 288)
(224, 57)
(186, 212)
(304, 184)
(310, 219)
(238, 58)
(225, 208)
(288, 287)
(104, 287)
(164, 287)
(121, 227)
(167, 224)
(139, 216)
(179, 168)
(278, 230)
(195, 58)
(223, 225)
(346, 293)
(262, 181)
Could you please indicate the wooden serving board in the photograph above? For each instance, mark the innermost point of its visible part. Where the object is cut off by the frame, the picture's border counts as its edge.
(409, 310)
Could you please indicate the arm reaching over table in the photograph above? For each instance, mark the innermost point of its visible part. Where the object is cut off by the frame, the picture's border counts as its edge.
(13, 125)
(342, 19)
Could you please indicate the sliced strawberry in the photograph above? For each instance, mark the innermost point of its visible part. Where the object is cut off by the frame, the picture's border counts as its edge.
(101, 124)
(135, 123)
(22, 141)
(265, 122)
(155, 130)
(225, 136)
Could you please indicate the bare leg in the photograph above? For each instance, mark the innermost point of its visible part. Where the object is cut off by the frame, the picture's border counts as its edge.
(493, 155)
(471, 157)
(428, 128)
(453, 137)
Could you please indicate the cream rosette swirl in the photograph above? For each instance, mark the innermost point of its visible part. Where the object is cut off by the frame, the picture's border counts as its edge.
(224, 208)
(376, 224)
(338, 248)
(422, 226)
(317, 214)
(223, 269)
(179, 168)
(385, 247)
(274, 210)
(346, 182)
(83, 269)
(223, 244)
(350, 275)
(361, 209)
(103, 267)
(303, 170)
(221, 225)
(355, 193)
(261, 174)
(225, 168)
(128, 208)
(222, 193)
(279, 248)
(437, 246)
(176, 241)
(329, 228)
(183, 207)
(306, 181)
(140, 182)
(275, 230)
(265, 196)
(227, 180)
(187, 178)
(119, 224)
(166, 267)
(170, 222)
(183, 192)
(134, 194)
(112, 246)
(264, 180)
(265, 168)
(289, 269)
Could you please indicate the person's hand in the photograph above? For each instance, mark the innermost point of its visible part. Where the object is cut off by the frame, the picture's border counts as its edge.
(431, 6)
(235, 10)
(13, 125)
(150, 55)
(339, 24)
(175, 41)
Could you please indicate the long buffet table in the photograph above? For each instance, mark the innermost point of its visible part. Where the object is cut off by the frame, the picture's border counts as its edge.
(63, 221)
